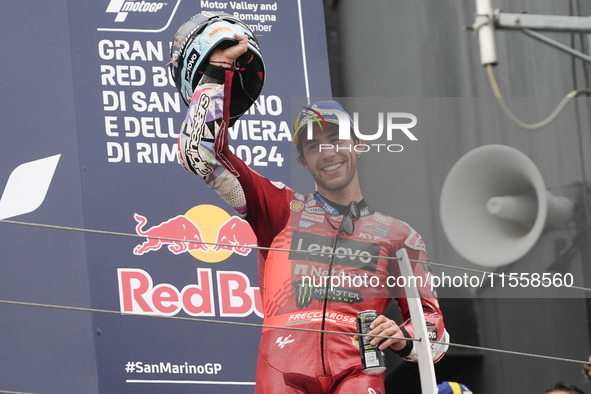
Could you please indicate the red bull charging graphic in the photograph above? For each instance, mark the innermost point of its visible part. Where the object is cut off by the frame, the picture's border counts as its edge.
(207, 232)
(172, 232)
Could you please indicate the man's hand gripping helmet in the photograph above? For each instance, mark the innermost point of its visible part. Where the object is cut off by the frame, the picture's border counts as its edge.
(192, 45)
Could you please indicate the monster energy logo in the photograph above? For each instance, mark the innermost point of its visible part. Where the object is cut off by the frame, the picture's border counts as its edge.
(306, 292)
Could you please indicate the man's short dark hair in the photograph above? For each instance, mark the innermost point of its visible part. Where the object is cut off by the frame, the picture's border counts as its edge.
(561, 386)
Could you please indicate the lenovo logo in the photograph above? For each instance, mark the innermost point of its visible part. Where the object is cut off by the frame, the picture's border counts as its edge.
(346, 252)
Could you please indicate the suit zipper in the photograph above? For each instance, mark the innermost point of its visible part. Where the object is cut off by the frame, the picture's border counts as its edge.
(326, 288)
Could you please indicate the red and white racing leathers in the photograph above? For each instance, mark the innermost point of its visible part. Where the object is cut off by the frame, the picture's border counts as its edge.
(338, 286)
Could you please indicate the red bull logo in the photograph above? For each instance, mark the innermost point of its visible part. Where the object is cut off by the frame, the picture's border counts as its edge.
(139, 295)
(234, 234)
(207, 232)
(172, 232)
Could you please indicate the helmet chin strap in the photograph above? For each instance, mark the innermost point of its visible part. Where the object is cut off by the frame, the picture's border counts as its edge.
(241, 80)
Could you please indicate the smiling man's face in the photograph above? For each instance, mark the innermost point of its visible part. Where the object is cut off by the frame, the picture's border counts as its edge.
(331, 162)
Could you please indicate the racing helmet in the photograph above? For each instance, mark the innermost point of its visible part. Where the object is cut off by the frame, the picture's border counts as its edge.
(189, 56)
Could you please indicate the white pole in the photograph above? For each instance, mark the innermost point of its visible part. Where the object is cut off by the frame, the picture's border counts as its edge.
(426, 369)
(486, 32)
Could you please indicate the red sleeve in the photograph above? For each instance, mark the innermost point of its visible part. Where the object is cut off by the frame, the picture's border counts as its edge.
(204, 150)
(267, 203)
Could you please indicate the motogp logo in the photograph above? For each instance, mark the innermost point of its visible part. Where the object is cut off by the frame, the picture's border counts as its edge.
(122, 8)
(139, 16)
(281, 341)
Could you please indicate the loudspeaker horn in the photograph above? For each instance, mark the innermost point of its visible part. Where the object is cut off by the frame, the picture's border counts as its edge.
(494, 205)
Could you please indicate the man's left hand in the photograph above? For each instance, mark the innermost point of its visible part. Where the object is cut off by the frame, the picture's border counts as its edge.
(387, 327)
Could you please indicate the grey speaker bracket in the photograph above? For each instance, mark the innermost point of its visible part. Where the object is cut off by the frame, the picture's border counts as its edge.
(549, 23)
(531, 24)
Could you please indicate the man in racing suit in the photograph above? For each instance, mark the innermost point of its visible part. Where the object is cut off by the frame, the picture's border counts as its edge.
(338, 234)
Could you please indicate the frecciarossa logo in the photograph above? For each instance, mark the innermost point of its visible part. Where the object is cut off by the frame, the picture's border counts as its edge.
(347, 252)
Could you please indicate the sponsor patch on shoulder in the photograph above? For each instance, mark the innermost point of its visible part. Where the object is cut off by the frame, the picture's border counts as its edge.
(305, 224)
(296, 205)
(382, 218)
(414, 241)
(383, 231)
(317, 210)
(278, 185)
(313, 217)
